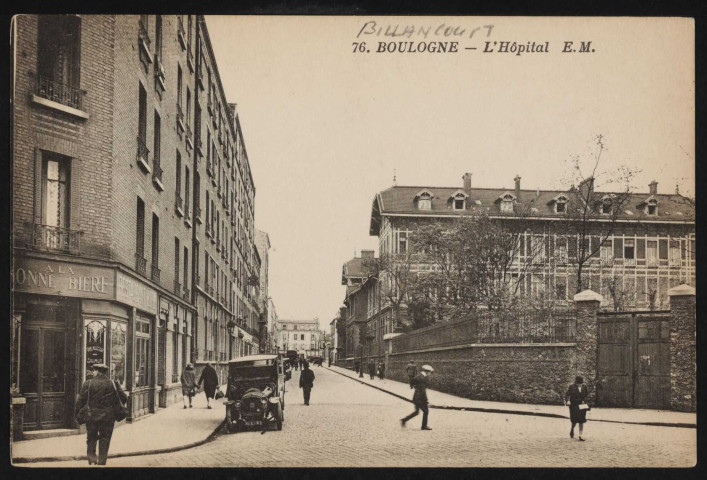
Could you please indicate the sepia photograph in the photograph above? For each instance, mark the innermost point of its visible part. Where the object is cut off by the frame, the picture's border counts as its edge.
(266, 241)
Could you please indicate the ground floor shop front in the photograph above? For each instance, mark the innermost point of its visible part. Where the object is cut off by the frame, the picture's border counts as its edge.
(68, 316)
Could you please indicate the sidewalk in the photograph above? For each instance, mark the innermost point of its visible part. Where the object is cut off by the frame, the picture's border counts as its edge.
(437, 399)
(169, 429)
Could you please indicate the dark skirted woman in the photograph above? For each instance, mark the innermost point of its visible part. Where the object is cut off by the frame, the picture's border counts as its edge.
(575, 398)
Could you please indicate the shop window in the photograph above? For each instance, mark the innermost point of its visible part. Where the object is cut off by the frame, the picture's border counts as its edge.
(143, 344)
(94, 344)
(15, 350)
(118, 352)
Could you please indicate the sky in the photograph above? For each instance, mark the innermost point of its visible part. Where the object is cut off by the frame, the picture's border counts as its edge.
(326, 128)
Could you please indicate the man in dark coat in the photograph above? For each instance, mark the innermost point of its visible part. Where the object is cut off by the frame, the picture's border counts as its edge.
(102, 395)
(210, 380)
(381, 370)
(411, 370)
(419, 399)
(306, 381)
(357, 365)
(372, 369)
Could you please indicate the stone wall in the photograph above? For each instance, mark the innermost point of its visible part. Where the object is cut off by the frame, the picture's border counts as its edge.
(507, 373)
(683, 358)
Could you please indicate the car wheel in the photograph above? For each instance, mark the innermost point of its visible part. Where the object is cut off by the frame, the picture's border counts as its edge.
(230, 426)
(280, 416)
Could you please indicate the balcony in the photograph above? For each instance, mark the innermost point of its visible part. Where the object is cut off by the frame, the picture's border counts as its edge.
(144, 44)
(47, 237)
(210, 106)
(199, 149)
(181, 33)
(209, 168)
(178, 202)
(143, 155)
(180, 120)
(155, 274)
(200, 78)
(186, 295)
(190, 138)
(190, 59)
(177, 288)
(187, 216)
(60, 97)
(140, 264)
(219, 191)
(159, 75)
(197, 214)
(157, 175)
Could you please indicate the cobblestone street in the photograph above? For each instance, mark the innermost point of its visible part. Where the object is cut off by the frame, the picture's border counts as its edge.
(351, 425)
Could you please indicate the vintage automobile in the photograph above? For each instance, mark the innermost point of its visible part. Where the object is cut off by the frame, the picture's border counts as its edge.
(255, 396)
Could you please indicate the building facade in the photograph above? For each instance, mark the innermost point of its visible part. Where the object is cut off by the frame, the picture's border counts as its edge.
(262, 243)
(648, 247)
(302, 336)
(108, 230)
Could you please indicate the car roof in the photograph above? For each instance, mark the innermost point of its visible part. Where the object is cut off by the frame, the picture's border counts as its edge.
(251, 358)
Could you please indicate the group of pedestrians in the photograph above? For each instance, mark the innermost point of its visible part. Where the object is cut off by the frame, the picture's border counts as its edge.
(190, 386)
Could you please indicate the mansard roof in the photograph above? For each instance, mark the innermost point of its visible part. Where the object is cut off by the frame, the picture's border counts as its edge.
(400, 200)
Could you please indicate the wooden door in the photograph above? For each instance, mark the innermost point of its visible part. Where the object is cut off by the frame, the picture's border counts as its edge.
(615, 366)
(652, 389)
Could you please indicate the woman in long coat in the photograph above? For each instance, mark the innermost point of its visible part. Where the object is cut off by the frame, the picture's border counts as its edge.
(210, 380)
(189, 385)
(576, 395)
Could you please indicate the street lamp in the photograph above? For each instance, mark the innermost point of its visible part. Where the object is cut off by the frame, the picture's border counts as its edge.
(231, 326)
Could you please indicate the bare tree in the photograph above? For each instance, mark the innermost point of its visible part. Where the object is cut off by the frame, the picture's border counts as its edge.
(592, 216)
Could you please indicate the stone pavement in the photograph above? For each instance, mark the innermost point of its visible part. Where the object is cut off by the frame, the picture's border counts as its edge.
(349, 424)
(169, 429)
(447, 401)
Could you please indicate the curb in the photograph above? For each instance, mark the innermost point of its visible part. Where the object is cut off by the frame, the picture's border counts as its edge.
(514, 412)
(69, 458)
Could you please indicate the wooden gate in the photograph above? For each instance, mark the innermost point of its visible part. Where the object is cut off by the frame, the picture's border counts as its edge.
(634, 360)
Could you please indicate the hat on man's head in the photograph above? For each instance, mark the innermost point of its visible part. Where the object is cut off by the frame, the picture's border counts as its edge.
(101, 366)
(427, 368)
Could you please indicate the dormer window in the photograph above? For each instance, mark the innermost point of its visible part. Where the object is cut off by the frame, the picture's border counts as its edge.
(507, 204)
(458, 199)
(561, 204)
(424, 200)
(606, 208)
(651, 209)
(651, 206)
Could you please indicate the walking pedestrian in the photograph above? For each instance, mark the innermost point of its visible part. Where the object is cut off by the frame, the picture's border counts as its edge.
(306, 381)
(381, 370)
(189, 385)
(210, 380)
(357, 365)
(101, 396)
(372, 369)
(419, 398)
(411, 370)
(575, 398)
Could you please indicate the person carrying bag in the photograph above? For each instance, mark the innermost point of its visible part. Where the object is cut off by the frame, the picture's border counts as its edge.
(99, 406)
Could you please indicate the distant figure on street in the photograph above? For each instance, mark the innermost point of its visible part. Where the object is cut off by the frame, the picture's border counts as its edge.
(411, 370)
(210, 380)
(357, 365)
(189, 385)
(306, 381)
(575, 396)
(381, 370)
(102, 396)
(419, 398)
(296, 364)
(372, 369)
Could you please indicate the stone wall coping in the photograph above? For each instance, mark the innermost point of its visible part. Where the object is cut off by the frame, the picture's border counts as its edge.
(485, 345)
(588, 296)
(682, 290)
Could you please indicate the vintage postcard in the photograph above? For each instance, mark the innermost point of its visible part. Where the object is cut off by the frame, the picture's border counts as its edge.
(353, 241)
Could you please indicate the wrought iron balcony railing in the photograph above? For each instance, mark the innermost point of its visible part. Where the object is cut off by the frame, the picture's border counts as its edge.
(181, 33)
(155, 274)
(190, 59)
(60, 93)
(178, 204)
(157, 171)
(140, 264)
(189, 136)
(143, 35)
(186, 294)
(177, 288)
(143, 153)
(197, 213)
(48, 237)
(180, 118)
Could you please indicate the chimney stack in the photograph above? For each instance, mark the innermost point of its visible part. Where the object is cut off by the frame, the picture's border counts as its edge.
(367, 254)
(467, 183)
(517, 180)
(653, 186)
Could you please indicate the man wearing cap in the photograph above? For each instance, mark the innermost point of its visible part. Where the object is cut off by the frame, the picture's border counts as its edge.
(102, 394)
(411, 370)
(419, 399)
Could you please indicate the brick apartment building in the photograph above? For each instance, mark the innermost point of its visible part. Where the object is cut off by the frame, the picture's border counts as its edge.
(107, 228)
(651, 250)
